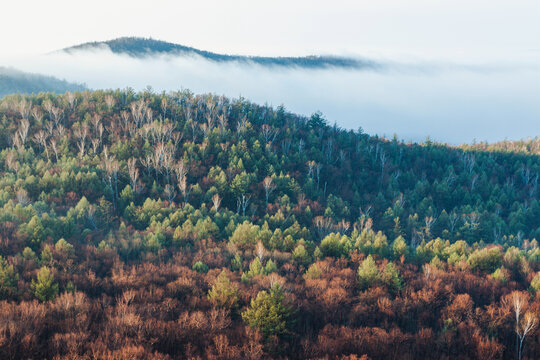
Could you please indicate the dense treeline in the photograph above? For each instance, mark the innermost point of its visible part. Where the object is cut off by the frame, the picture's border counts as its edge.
(142, 225)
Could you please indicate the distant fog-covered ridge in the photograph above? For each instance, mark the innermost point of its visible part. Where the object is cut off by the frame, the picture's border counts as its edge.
(146, 47)
(13, 81)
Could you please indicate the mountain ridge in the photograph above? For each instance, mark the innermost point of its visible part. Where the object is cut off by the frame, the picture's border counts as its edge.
(145, 47)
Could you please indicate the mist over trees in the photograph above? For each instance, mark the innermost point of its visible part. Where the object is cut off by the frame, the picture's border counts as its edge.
(13, 81)
(183, 226)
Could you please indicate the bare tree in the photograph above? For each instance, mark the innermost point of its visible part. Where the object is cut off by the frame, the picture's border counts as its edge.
(242, 203)
(133, 173)
(54, 148)
(181, 177)
(518, 301)
(71, 100)
(323, 225)
(524, 328)
(110, 101)
(41, 139)
(269, 187)
(474, 179)
(453, 219)
(111, 168)
(81, 133)
(311, 165)
(269, 133)
(37, 114)
(22, 197)
(164, 107)
(22, 132)
(169, 192)
(260, 251)
(24, 107)
(318, 168)
(216, 201)
(56, 114)
(429, 221)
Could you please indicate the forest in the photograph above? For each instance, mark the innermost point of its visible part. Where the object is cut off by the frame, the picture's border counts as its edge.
(143, 225)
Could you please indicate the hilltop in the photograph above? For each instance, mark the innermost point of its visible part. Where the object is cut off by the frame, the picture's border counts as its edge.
(145, 47)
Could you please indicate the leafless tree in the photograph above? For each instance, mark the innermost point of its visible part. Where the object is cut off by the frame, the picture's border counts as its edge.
(453, 220)
(260, 251)
(60, 131)
(242, 203)
(169, 192)
(318, 168)
(41, 139)
(269, 187)
(268, 132)
(524, 328)
(111, 168)
(301, 144)
(24, 107)
(110, 101)
(311, 165)
(242, 124)
(474, 179)
(22, 197)
(95, 145)
(343, 226)
(71, 100)
(56, 114)
(37, 114)
(54, 148)
(472, 219)
(518, 302)
(323, 225)
(164, 107)
(429, 221)
(81, 134)
(133, 172)
(216, 201)
(223, 122)
(181, 177)
(468, 162)
(22, 132)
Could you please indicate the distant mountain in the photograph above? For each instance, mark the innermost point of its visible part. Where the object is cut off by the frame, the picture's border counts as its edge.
(143, 47)
(14, 81)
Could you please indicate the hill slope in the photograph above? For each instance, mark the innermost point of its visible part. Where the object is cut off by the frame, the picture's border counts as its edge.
(13, 81)
(142, 47)
(174, 226)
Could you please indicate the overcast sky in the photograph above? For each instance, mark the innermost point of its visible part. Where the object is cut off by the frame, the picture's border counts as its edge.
(429, 29)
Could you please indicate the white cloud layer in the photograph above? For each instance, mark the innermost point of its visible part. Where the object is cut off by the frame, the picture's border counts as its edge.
(446, 101)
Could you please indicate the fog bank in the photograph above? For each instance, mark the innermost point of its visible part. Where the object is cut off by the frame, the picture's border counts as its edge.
(449, 102)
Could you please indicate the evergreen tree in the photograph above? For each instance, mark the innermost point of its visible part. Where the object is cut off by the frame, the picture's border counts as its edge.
(44, 287)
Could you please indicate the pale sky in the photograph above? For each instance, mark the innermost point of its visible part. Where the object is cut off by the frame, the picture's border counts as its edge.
(425, 28)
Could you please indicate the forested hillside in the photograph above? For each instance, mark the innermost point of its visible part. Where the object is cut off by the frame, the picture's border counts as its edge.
(182, 226)
(13, 81)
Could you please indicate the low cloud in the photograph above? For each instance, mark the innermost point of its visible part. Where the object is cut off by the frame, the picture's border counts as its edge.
(448, 102)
